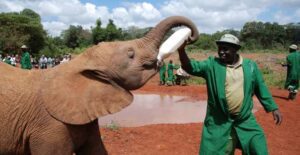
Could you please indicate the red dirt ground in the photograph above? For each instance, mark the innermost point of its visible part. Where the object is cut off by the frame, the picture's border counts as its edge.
(179, 139)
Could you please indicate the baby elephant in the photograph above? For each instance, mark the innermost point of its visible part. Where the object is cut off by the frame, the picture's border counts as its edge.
(55, 111)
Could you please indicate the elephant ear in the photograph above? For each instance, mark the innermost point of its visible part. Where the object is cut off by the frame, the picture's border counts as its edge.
(80, 99)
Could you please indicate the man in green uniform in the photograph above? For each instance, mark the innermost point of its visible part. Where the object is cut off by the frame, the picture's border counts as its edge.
(293, 72)
(25, 58)
(162, 73)
(231, 82)
(171, 77)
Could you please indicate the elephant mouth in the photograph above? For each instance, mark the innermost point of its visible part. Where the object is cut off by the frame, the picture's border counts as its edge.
(102, 77)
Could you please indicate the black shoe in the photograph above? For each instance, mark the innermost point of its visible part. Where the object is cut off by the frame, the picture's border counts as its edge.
(292, 96)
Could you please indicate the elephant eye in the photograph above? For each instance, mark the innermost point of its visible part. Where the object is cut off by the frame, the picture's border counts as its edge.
(130, 53)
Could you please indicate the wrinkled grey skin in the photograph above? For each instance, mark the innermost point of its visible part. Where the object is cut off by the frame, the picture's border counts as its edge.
(55, 111)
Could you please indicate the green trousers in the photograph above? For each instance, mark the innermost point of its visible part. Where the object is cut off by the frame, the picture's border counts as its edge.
(233, 143)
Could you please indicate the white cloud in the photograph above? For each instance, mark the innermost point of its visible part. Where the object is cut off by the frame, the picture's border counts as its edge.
(298, 14)
(8, 6)
(49, 8)
(210, 16)
(289, 3)
(136, 14)
(282, 18)
(54, 28)
(144, 11)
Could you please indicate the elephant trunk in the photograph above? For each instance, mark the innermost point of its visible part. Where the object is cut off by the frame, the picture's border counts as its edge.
(156, 35)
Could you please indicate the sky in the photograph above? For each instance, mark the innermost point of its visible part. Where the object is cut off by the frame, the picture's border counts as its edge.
(209, 15)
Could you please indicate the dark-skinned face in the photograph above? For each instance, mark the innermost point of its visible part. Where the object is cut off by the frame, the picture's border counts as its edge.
(227, 53)
(292, 50)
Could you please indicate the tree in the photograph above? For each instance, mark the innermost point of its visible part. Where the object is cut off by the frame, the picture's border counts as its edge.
(252, 35)
(33, 15)
(205, 42)
(70, 37)
(292, 33)
(53, 47)
(98, 33)
(21, 28)
(112, 32)
(258, 35)
(85, 38)
(76, 36)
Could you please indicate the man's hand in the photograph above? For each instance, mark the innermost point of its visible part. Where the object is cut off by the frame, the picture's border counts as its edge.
(283, 64)
(277, 117)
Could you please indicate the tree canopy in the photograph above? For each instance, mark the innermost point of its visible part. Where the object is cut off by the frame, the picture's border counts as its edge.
(21, 28)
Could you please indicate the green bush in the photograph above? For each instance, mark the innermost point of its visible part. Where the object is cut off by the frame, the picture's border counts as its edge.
(114, 126)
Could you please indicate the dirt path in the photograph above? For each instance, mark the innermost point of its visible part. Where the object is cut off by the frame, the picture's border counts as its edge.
(181, 139)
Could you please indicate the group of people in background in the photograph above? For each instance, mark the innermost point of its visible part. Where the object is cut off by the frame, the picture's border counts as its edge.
(179, 78)
(47, 62)
(27, 61)
(24, 59)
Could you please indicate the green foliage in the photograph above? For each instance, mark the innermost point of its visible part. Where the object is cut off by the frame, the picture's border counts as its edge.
(114, 126)
(53, 47)
(56, 47)
(256, 36)
(76, 36)
(98, 33)
(259, 35)
(293, 33)
(21, 28)
(32, 15)
(205, 42)
(112, 32)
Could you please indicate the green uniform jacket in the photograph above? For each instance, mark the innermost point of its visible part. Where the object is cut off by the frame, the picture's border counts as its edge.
(218, 123)
(25, 61)
(162, 72)
(293, 69)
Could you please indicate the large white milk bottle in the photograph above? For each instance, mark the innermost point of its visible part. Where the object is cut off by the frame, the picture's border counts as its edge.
(173, 43)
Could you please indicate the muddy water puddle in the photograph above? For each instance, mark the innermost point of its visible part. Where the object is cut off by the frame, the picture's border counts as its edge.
(149, 109)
